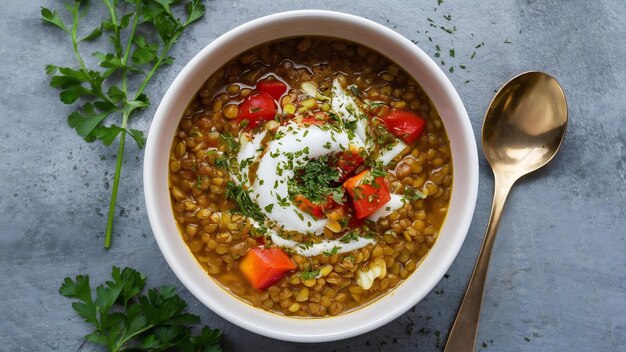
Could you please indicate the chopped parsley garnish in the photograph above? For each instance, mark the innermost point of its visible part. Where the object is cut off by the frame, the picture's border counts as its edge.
(412, 194)
(305, 245)
(245, 204)
(283, 202)
(349, 237)
(230, 141)
(308, 275)
(355, 90)
(372, 175)
(332, 251)
(279, 135)
(299, 153)
(269, 208)
(375, 104)
(382, 136)
(222, 162)
(315, 181)
(246, 162)
(378, 172)
(258, 231)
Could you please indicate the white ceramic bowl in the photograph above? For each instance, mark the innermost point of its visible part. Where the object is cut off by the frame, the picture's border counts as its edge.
(332, 24)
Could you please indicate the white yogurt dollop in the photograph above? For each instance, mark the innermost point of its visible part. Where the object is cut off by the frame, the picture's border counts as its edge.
(329, 246)
(295, 146)
(392, 205)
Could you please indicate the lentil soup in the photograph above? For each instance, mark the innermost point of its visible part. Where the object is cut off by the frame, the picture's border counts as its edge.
(310, 176)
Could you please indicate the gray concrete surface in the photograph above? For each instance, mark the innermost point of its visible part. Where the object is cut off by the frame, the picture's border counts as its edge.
(558, 274)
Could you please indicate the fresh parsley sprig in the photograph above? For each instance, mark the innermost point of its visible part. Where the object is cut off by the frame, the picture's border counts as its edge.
(127, 320)
(105, 91)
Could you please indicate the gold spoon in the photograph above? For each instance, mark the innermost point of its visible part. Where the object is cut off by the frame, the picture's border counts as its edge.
(523, 130)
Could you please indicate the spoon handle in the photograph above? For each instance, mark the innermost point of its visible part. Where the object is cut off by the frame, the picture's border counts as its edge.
(462, 336)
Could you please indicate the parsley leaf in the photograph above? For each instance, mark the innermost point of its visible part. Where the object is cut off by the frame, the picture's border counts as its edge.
(350, 236)
(126, 319)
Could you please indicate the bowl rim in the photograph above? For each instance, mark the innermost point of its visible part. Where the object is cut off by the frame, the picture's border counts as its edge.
(348, 324)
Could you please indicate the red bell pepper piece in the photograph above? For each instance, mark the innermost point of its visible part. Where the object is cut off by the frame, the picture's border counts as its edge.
(256, 108)
(404, 124)
(309, 207)
(273, 87)
(316, 210)
(368, 193)
(265, 266)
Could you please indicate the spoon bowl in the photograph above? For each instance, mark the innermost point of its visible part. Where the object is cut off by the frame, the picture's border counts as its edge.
(525, 124)
(522, 131)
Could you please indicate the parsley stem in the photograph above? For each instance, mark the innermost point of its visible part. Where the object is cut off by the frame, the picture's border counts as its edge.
(120, 153)
(121, 343)
(116, 184)
(128, 46)
(116, 28)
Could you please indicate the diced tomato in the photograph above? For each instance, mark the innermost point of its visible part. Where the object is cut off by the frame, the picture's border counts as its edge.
(316, 210)
(273, 87)
(368, 193)
(256, 108)
(309, 207)
(347, 161)
(265, 266)
(404, 124)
